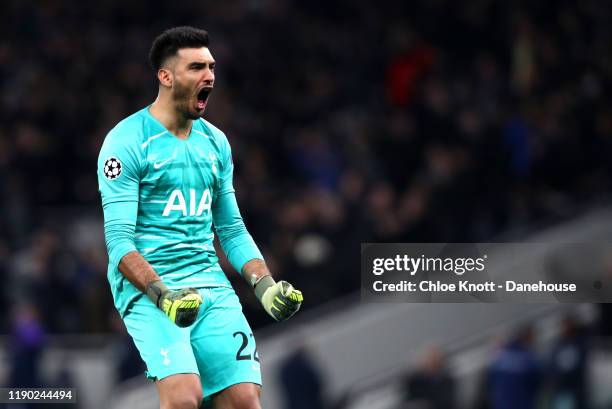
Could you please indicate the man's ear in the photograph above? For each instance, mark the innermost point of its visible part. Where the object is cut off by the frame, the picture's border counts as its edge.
(165, 77)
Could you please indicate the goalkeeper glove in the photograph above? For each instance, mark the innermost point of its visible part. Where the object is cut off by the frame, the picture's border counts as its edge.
(180, 306)
(280, 300)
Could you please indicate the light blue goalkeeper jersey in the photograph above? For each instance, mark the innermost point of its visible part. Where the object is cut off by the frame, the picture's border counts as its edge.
(161, 196)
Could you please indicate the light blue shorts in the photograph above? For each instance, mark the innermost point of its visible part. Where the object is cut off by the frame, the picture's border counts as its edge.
(219, 346)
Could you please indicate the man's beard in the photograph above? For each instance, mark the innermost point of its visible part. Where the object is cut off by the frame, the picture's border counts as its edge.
(182, 99)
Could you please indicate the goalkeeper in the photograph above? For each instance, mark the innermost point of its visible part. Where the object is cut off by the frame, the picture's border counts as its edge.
(165, 177)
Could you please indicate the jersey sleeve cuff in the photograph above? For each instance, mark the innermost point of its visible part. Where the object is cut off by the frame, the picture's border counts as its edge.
(119, 251)
(243, 252)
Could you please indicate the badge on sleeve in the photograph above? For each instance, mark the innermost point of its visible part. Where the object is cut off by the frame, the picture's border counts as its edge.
(112, 168)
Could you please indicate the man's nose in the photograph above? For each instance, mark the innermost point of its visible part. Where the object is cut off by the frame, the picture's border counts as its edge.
(209, 76)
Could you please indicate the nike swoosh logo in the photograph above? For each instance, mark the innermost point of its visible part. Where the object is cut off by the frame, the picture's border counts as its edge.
(158, 165)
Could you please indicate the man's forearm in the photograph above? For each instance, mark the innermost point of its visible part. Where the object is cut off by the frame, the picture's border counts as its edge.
(253, 270)
(137, 270)
(181, 306)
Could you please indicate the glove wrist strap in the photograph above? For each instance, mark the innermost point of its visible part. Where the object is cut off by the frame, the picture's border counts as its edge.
(262, 284)
(155, 290)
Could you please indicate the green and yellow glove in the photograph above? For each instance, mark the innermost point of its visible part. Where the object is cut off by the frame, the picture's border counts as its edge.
(280, 300)
(180, 306)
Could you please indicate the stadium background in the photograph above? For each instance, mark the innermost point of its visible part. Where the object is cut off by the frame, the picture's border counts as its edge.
(425, 121)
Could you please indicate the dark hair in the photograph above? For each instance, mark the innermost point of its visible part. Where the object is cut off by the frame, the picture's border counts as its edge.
(168, 43)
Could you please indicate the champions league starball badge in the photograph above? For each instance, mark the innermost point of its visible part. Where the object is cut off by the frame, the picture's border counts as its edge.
(112, 168)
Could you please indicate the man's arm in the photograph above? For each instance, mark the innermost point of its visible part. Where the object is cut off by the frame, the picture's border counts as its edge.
(137, 270)
(119, 181)
(280, 300)
(120, 220)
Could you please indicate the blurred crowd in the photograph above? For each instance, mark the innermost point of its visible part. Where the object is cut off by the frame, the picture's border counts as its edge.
(519, 371)
(350, 122)
(518, 375)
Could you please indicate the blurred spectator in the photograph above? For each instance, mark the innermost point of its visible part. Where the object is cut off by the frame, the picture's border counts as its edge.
(515, 374)
(65, 379)
(568, 367)
(302, 381)
(430, 386)
(26, 346)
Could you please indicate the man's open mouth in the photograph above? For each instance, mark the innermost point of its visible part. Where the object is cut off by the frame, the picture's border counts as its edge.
(203, 96)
